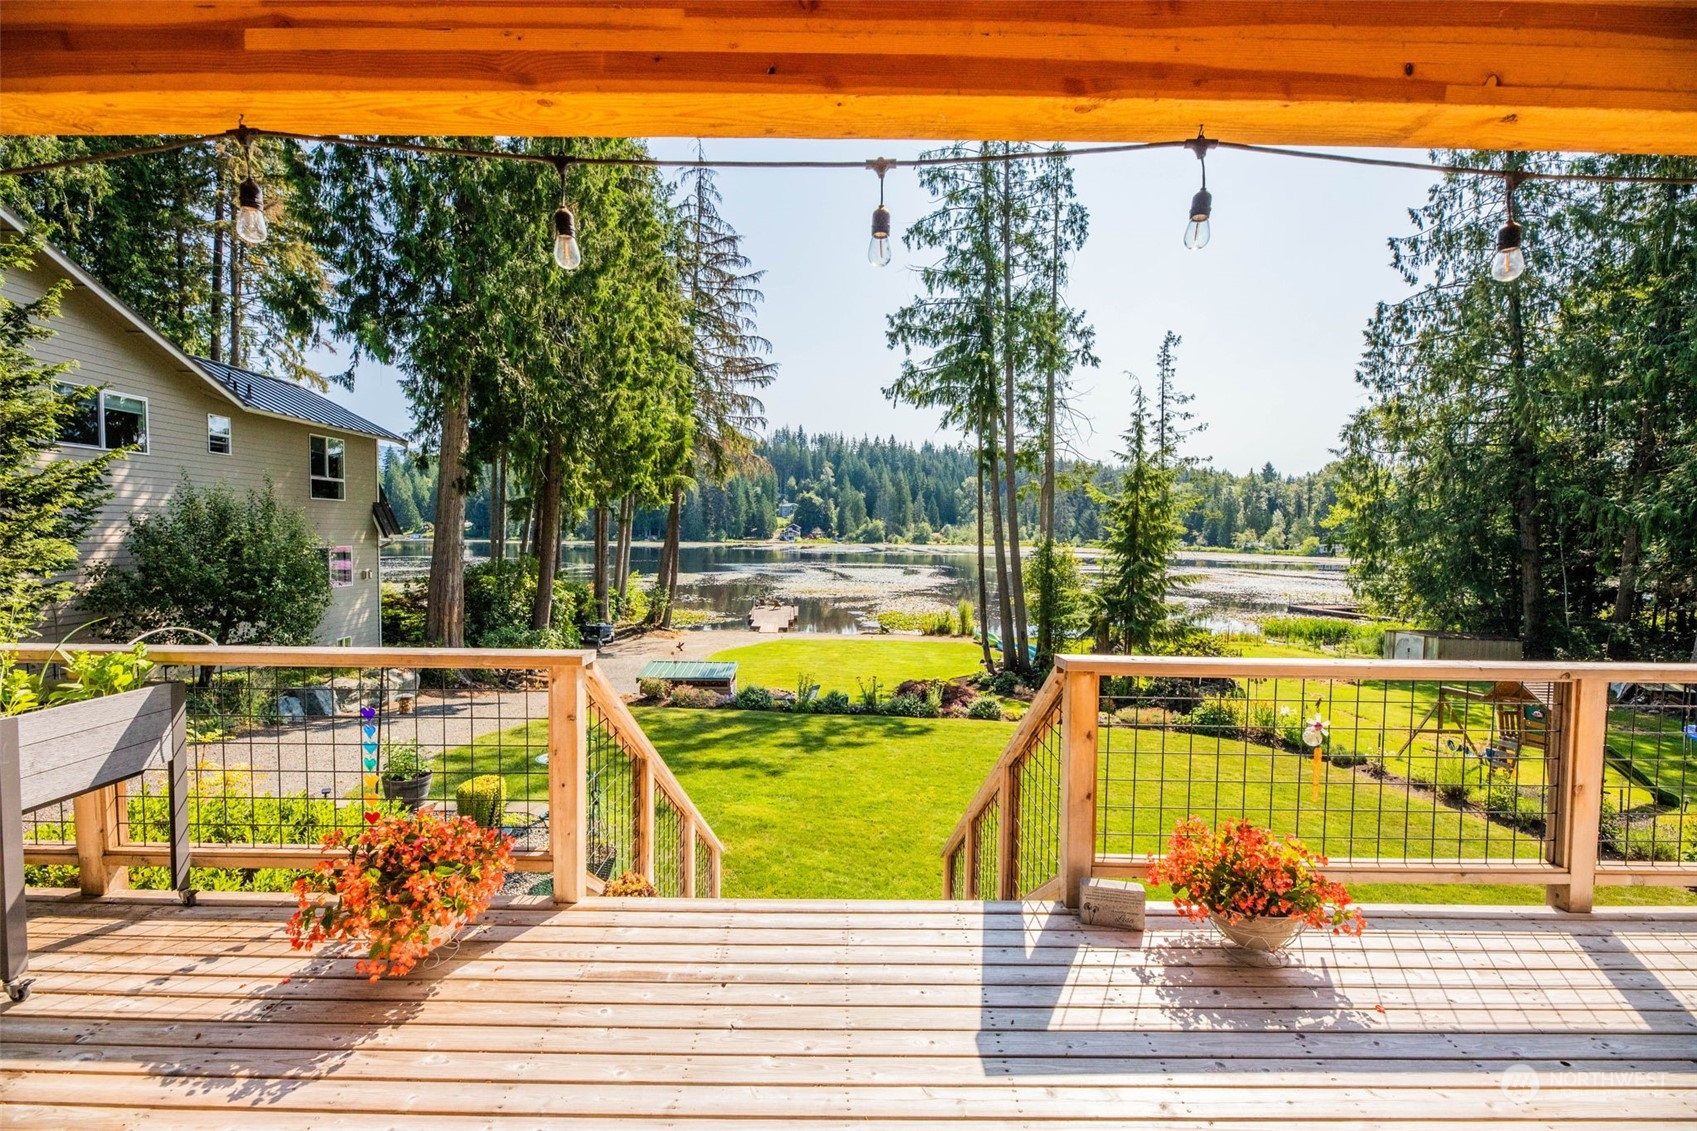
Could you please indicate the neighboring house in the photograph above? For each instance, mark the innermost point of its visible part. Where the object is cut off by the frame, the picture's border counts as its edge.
(214, 423)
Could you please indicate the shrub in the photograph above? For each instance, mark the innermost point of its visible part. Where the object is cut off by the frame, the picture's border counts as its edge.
(1005, 683)
(1261, 725)
(1511, 805)
(655, 690)
(483, 799)
(869, 697)
(985, 707)
(698, 698)
(403, 614)
(806, 694)
(955, 694)
(1342, 756)
(1452, 783)
(630, 884)
(1211, 716)
(833, 703)
(498, 599)
(909, 707)
(754, 699)
(941, 623)
(242, 569)
(963, 618)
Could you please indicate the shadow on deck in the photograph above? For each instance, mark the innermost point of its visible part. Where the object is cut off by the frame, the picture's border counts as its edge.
(865, 1014)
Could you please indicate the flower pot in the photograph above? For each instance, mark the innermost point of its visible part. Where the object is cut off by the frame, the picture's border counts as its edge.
(413, 791)
(1265, 934)
(403, 703)
(443, 933)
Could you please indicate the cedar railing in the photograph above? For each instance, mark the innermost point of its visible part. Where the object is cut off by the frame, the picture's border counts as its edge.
(1427, 772)
(598, 797)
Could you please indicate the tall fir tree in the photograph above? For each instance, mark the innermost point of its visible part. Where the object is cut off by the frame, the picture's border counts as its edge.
(1142, 532)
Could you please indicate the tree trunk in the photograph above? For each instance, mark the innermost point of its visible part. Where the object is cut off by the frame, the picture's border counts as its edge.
(1003, 607)
(498, 509)
(598, 518)
(215, 347)
(1010, 440)
(1533, 635)
(444, 613)
(665, 577)
(675, 523)
(983, 579)
(627, 518)
(548, 523)
(236, 355)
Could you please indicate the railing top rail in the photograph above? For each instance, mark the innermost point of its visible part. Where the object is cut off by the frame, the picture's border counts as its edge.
(261, 656)
(1237, 667)
(624, 726)
(1042, 704)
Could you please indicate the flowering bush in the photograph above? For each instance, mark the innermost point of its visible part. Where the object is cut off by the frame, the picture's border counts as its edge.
(1239, 871)
(403, 876)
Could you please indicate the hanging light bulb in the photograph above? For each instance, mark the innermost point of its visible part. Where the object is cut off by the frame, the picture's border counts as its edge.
(1508, 262)
(1196, 230)
(878, 249)
(567, 254)
(250, 202)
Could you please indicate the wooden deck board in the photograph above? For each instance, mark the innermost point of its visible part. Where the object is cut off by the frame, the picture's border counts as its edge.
(875, 1015)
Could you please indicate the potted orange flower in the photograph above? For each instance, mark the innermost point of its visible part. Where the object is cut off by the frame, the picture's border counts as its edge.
(1260, 890)
(406, 885)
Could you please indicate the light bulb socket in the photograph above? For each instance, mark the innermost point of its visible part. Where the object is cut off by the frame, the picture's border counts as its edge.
(1509, 237)
(1201, 206)
(564, 223)
(248, 194)
(880, 223)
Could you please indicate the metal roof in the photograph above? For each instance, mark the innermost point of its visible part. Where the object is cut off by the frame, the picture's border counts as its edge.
(285, 398)
(685, 671)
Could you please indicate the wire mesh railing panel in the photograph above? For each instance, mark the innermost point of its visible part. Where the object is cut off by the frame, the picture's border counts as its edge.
(986, 828)
(1391, 770)
(1036, 784)
(1649, 815)
(703, 864)
(956, 872)
(282, 755)
(668, 875)
(612, 818)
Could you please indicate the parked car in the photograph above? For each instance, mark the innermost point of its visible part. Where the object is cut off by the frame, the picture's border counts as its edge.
(597, 634)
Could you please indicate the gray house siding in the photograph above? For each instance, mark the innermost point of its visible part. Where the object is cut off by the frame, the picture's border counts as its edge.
(108, 350)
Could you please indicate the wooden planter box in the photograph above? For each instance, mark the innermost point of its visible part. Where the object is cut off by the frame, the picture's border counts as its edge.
(60, 753)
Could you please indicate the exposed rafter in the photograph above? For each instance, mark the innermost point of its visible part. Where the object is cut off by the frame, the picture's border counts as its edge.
(1535, 74)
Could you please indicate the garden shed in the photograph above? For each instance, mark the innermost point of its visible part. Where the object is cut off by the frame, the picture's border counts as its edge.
(1420, 644)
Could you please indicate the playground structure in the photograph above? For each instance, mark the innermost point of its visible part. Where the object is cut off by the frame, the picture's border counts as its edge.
(1519, 720)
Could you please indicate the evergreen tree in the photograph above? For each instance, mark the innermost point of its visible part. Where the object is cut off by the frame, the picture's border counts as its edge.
(45, 505)
(1142, 532)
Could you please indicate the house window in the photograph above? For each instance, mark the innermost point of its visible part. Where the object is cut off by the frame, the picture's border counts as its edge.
(341, 567)
(218, 434)
(104, 419)
(329, 477)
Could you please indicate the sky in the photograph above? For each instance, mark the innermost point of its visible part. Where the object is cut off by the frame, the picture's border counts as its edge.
(1271, 312)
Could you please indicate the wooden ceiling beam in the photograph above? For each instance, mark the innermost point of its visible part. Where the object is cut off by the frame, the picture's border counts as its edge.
(1531, 74)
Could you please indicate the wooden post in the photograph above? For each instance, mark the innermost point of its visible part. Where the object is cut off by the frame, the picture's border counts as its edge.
(95, 814)
(714, 869)
(1584, 731)
(644, 817)
(568, 758)
(686, 850)
(1007, 835)
(1080, 695)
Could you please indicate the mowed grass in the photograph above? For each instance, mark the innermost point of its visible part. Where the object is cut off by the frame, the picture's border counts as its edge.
(842, 663)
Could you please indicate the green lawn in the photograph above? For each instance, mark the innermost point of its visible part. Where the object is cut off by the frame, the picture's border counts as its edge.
(839, 663)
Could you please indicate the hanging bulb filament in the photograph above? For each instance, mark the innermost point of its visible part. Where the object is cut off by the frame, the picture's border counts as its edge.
(1508, 262)
(567, 254)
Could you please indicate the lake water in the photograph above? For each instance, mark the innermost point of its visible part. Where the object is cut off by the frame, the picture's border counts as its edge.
(843, 589)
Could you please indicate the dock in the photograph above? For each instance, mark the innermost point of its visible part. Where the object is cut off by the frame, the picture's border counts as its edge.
(773, 618)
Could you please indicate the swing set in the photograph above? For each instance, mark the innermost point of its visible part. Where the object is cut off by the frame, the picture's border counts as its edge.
(1520, 721)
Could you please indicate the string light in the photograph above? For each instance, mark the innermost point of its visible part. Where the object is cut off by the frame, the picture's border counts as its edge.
(567, 254)
(878, 249)
(1196, 231)
(1508, 261)
(250, 210)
